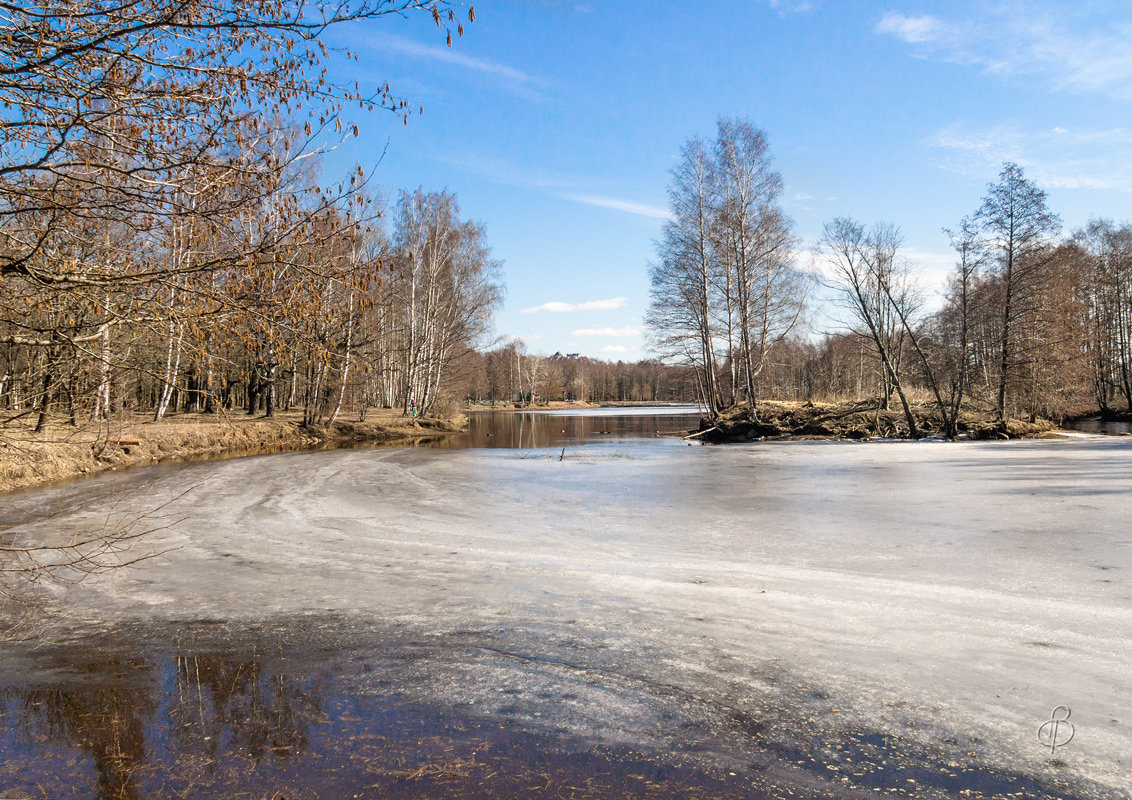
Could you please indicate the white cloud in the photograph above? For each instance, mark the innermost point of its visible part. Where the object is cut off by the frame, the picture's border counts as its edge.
(628, 330)
(616, 348)
(447, 55)
(628, 206)
(1057, 158)
(1077, 52)
(914, 30)
(556, 307)
(930, 271)
(791, 6)
(929, 268)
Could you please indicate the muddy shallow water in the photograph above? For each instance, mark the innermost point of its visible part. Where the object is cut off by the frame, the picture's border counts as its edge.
(1108, 427)
(594, 610)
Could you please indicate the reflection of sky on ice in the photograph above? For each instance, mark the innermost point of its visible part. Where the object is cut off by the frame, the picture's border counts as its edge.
(927, 589)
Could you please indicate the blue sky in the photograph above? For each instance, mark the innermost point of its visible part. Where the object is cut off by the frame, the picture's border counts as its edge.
(557, 123)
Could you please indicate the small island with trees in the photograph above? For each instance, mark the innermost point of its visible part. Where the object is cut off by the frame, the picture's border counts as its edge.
(1033, 328)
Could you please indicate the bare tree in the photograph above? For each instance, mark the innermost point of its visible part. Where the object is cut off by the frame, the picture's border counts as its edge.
(446, 285)
(680, 317)
(1016, 230)
(142, 146)
(954, 323)
(1107, 292)
(864, 268)
(755, 236)
(724, 293)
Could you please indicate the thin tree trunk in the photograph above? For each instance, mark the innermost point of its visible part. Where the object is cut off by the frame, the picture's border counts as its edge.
(172, 366)
(45, 399)
(346, 360)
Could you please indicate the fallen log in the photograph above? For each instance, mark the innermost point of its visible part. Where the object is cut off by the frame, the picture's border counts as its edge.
(701, 433)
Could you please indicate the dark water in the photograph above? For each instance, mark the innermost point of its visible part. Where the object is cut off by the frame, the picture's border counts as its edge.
(528, 430)
(287, 714)
(276, 722)
(1102, 426)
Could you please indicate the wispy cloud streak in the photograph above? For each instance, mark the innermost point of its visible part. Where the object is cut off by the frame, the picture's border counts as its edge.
(628, 206)
(1017, 40)
(1057, 158)
(448, 55)
(556, 307)
(628, 330)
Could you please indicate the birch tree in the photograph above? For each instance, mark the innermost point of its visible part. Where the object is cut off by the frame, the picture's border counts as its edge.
(755, 235)
(1107, 292)
(446, 284)
(681, 318)
(724, 292)
(113, 117)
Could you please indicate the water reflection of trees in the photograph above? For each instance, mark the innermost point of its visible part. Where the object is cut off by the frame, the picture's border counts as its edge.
(107, 722)
(181, 721)
(241, 707)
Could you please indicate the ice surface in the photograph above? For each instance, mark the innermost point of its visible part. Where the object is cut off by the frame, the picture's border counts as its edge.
(945, 592)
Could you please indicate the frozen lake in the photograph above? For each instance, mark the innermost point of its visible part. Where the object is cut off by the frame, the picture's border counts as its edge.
(596, 610)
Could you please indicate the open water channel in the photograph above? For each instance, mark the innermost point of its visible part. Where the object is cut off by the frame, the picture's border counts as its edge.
(584, 605)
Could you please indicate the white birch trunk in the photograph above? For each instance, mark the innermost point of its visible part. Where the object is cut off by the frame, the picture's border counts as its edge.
(346, 361)
(172, 366)
(102, 396)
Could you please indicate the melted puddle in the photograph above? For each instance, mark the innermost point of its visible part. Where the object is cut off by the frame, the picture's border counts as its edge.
(342, 719)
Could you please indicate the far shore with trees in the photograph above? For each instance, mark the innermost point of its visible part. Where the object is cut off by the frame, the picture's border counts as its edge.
(169, 248)
(1034, 325)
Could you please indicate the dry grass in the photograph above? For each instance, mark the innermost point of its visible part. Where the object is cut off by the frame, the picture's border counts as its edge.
(62, 452)
(859, 419)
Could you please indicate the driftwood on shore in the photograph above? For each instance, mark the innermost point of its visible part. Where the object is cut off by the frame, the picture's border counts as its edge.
(699, 433)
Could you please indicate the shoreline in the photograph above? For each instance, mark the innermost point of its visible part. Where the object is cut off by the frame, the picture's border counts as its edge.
(557, 405)
(854, 421)
(62, 454)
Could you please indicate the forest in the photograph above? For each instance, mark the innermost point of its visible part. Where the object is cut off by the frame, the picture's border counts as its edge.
(1033, 322)
(166, 251)
(168, 241)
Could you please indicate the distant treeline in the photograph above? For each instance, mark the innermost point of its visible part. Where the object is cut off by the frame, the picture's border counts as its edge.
(510, 374)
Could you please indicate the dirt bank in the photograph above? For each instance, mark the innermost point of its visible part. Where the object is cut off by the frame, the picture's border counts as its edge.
(855, 420)
(63, 452)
